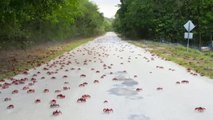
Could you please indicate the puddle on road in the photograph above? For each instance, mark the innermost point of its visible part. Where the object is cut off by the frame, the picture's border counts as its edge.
(135, 98)
(130, 83)
(121, 89)
(123, 78)
(122, 92)
(138, 117)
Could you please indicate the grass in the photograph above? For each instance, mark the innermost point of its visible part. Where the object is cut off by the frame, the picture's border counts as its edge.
(14, 62)
(201, 62)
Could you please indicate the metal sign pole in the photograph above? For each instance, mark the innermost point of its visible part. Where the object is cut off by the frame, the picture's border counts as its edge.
(187, 44)
(188, 38)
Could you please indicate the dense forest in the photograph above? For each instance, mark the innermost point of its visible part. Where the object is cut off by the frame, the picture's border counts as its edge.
(164, 19)
(26, 22)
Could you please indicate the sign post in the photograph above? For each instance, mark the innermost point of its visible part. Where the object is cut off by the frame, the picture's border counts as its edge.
(189, 26)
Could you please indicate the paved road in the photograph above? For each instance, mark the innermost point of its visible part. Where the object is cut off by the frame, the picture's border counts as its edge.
(107, 73)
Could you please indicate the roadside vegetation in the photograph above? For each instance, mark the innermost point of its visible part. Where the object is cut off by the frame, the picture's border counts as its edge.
(201, 62)
(157, 20)
(16, 61)
(25, 23)
(36, 31)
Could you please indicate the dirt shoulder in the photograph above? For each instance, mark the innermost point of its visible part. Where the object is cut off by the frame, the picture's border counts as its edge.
(13, 62)
(201, 62)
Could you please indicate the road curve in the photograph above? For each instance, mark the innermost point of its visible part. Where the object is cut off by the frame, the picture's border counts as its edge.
(107, 79)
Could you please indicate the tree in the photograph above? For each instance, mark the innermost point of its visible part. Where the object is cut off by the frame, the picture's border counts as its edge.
(154, 19)
(25, 22)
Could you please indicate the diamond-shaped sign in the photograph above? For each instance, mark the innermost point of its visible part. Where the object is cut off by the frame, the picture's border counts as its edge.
(189, 26)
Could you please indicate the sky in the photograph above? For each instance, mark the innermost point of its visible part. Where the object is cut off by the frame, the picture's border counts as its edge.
(108, 7)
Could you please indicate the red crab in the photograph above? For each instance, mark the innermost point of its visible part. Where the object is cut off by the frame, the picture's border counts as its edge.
(56, 113)
(188, 69)
(72, 68)
(45, 69)
(30, 84)
(14, 91)
(85, 83)
(10, 106)
(37, 101)
(81, 85)
(66, 88)
(103, 76)
(5, 86)
(160, 67)
(54, 105)
(82, 75)
(178, 82)
(65, 76)
(139, 89)
(7, 99)
(33, 79)
(95, 81)
(195, 74)
(46, 90)
(25, 88)
(25, 73)
(57, 91)
(107, 110)
(66, 82)
(159, 88)
(185, 81)
(171, 69)
(86, 96)
(200, 109)
(81, 100)
(53, 101)
(115, 79)
(135, 76)
(61, 96)
(31, 91)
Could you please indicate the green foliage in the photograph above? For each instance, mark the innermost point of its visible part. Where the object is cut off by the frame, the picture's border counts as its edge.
(108, 24)
(156, 19)
(91, 21)
(25, 22)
